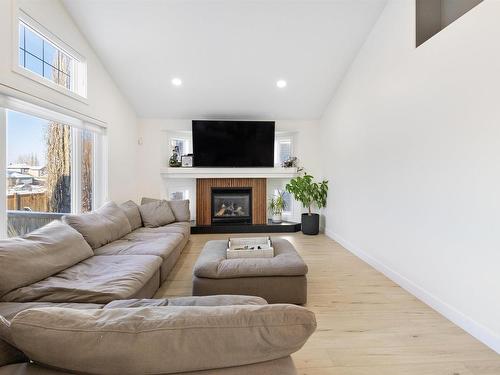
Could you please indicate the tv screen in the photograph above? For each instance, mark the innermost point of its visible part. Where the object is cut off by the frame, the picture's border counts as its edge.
(233, 143)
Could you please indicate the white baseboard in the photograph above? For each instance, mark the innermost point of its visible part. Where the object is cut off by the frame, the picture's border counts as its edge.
(479, 331)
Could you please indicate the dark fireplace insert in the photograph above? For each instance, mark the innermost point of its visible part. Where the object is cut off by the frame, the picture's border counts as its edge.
(231, 206)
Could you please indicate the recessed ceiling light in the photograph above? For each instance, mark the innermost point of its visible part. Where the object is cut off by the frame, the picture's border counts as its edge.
(281, 83)
(176, 82)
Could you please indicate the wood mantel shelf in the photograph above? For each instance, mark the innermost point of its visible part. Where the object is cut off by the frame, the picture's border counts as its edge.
(194, 172)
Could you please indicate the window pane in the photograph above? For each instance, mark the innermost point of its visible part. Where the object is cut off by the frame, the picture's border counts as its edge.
(34, 44)
(287, 197)
(34, 64)
(177, 195)
(38, 172)
(285, 148)
(49, 72)
(87, 170)
(181, 145)
(65, 63)
(64, 80)
(44, 58)
(50, 54)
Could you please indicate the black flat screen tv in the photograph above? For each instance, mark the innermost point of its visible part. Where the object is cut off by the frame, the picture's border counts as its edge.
(233, 143)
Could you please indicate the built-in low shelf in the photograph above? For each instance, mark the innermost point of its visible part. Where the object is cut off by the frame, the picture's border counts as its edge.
(194, 172)
(284, 227)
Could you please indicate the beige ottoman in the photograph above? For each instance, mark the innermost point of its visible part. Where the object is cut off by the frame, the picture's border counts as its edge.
(281, 279)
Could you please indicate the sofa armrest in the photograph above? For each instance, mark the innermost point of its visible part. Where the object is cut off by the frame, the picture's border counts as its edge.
(217, 300)
(159, 339)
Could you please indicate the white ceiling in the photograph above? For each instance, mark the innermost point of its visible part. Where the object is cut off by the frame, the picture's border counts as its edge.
(228, 53)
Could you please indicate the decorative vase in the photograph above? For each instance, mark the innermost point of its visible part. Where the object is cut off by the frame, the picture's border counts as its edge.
(276, 219)
(310, 224)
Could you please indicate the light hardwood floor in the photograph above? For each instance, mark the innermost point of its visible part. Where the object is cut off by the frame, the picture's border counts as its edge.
(366, 323)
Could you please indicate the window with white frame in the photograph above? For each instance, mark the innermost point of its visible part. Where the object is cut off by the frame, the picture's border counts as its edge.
(283, 150)
(287, 198)
(182, 144)
(47, 60)
(179, 195)
(50, 170)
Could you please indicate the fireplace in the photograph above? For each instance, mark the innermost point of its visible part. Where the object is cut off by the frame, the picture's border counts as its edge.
(205, 206)
(232, 205)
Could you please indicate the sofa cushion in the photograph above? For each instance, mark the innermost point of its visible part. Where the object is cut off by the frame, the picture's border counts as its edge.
(131, 210)
(159, 246)
(180, 208)
(136, 341)
(99, 279)
(156, 214)
(106, 224)
(183, 228)
(39, 254)
(219, 300)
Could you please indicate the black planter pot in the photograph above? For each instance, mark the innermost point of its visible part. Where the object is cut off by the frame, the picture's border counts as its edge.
(310, 224)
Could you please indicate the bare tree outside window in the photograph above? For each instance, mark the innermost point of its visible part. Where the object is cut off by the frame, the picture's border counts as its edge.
(87, 170)
(59, 167)
(59, 154)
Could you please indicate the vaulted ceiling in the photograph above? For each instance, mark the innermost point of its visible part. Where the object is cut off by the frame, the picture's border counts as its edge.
(229, 54)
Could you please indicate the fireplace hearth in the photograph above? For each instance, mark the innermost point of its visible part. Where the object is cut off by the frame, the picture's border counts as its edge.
(231, 206)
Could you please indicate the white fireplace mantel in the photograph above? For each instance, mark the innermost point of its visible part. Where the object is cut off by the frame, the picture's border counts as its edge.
(194, 172)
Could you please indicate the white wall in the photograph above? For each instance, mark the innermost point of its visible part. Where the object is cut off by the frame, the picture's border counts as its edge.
(412, 140)
(155, 151)
(105, 101)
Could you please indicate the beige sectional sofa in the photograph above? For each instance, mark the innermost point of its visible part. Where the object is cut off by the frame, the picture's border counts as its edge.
(232, 335)
(117, 258)
(75, 298)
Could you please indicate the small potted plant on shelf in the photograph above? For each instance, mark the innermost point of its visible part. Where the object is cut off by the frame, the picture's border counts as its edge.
(277, 205)
(308, 192)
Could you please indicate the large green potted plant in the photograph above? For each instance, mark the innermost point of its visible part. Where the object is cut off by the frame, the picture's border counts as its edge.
(305, 190)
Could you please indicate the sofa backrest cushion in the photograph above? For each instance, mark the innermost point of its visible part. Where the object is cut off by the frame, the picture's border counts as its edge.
(8, 353)
(156, 214)
(136, 340)
(180, 208)
(102, 226)
(131, 210)
(40, 254)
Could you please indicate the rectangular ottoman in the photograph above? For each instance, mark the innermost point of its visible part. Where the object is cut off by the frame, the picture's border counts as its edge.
(281, 279)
